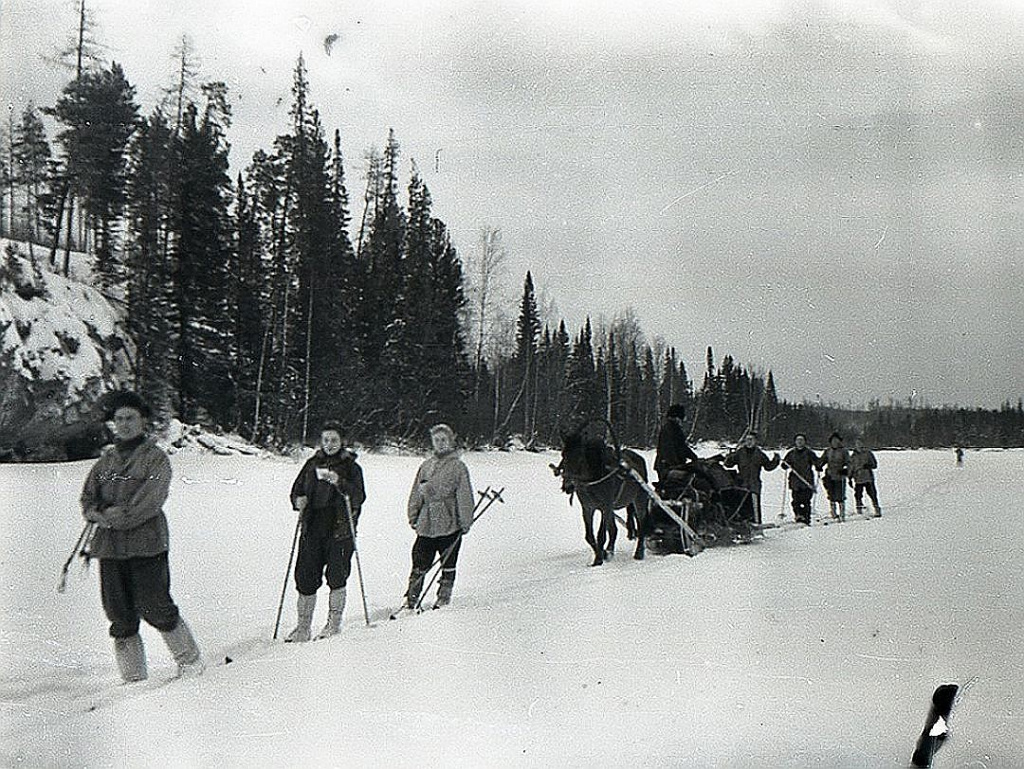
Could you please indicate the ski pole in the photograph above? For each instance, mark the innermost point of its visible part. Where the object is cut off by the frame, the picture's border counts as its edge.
(78, 549)
(355, 552)
(785, 490)
(288, 571)
(443, 560)
(485, 494)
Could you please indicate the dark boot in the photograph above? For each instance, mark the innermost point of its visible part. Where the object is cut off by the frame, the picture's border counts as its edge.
(412, 595)
(131, 658)
(184, 650)
(444, 590)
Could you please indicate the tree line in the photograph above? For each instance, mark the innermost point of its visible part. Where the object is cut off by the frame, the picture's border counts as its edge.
(260, 304)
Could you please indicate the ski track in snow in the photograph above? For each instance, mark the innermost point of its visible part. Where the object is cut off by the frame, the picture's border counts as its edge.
(810, 646)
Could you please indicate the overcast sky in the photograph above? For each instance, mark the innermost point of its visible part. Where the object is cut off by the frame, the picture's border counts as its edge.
(829, 189)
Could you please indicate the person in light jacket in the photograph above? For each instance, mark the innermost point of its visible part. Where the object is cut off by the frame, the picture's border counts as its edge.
(862, 476)
(123, 497)
(835, 465)
(440, 511)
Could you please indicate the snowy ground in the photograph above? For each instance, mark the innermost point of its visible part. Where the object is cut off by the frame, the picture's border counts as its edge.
(815, 647)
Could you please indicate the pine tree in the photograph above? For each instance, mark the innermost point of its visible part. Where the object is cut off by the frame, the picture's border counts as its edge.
(203, 260)
(30, 153)
(151, 299)
(100, 114)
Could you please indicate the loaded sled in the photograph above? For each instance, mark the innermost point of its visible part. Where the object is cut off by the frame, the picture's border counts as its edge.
(708, 497)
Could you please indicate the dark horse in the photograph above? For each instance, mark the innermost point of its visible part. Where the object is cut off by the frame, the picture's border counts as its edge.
(590, 468)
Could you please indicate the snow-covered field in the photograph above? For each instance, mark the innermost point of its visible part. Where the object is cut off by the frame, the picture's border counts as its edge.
(814, 647)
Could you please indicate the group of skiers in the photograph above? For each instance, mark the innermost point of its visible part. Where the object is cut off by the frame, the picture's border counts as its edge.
(122, 501)
(124, 493)
(839, 468)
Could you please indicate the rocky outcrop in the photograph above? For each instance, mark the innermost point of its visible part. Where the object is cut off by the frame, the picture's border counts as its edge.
(62, 345)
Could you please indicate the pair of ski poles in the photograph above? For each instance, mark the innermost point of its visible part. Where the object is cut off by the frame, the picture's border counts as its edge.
(291, 559)
(80, 549)
(487, 498)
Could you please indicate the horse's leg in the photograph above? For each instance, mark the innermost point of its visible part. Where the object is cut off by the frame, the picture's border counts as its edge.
(611, 531)
(638, 516)
(588, 532)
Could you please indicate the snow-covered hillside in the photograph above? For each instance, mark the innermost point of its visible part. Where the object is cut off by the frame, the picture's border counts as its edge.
(813, 647)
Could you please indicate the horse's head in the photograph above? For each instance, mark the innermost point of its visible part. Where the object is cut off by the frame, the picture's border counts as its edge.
(583, 458)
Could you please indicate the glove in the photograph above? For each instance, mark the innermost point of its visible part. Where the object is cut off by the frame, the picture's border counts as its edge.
(93, 515)
(300, 504)
(784, 466)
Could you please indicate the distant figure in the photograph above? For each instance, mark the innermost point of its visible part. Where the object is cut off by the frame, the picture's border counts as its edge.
(123, 496)
(835, 463)
(440, 512)
(801, 461)
(862, 477)
(328, 488)
(749, 460)
(673, 451)
(959, 457)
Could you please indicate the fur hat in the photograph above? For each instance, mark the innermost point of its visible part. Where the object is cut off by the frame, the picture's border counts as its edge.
(125, 399)
(445, 429)
(676, 411)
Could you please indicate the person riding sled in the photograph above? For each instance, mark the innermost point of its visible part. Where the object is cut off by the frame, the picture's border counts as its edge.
(328, 494)
(440, 511)
(674, 454)
(123, 497)
(801, 463)
(749, 460)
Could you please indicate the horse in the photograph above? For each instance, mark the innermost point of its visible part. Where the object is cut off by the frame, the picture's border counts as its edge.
(591, 469)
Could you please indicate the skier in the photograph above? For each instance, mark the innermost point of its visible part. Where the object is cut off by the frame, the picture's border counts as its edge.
(862, 477)
(835, 461)
(440, 512)
(748, 460)
(123, 496)
(801, 461)
(673, 451)
(326, 543)
(959, 457)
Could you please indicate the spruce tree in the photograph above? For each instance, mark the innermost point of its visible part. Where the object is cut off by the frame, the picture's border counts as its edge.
(30, 152)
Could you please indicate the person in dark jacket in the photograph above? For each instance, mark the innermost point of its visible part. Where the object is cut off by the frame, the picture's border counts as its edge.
(440, 511)
(835, 463)
(749, 460)
(328, 493)
(123, 496)
(801, 463)
(673, 451)
(862, 477)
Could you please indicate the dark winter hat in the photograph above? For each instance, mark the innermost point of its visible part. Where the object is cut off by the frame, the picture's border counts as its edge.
(122, 399)
(333, 425)
(835, 434)
(800, 435)
(676, 411)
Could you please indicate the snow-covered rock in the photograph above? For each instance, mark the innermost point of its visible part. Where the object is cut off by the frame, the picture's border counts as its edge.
(62, 345)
